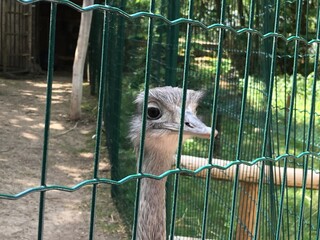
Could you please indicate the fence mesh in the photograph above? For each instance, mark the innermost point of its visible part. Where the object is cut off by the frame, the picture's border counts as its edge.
(258, 62)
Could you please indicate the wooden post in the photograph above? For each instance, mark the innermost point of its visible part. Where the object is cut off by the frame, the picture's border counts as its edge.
(246, 210)
(79, 62)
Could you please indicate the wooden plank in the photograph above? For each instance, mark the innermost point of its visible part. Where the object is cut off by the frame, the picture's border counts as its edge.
(250, 174)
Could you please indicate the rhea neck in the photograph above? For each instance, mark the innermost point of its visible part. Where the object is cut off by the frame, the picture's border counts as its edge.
(158, 158)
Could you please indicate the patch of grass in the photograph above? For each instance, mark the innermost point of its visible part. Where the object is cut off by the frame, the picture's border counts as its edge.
(190, 208)
(106, 210)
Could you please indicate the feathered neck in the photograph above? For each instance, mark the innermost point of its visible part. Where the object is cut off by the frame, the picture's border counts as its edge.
(152, 205)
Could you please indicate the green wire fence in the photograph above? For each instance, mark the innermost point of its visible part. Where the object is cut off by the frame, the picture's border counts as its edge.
(258, 62)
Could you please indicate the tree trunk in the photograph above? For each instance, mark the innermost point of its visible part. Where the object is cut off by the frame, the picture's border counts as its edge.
(241, 15)
(79, 62)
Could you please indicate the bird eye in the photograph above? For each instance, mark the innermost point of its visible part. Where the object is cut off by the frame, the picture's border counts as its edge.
(154, 113)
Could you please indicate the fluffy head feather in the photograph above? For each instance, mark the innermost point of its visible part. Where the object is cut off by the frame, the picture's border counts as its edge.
(164, 130)
(168, 100)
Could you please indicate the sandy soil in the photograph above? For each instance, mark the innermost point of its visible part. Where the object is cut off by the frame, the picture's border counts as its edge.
(70, 161)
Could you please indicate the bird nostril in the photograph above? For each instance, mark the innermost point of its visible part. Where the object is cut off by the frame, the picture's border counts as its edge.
(189, 125)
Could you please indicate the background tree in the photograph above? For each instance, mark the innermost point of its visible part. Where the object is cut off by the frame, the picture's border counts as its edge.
(79, 62)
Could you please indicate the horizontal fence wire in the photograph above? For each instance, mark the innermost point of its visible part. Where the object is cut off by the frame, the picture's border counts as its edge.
(178, 21)
(133, 177)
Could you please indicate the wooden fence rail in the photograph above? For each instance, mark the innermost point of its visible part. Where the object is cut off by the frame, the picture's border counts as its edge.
(248, 183)
(250, 174)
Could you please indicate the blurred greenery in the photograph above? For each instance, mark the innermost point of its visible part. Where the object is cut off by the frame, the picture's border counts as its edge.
(129, 40)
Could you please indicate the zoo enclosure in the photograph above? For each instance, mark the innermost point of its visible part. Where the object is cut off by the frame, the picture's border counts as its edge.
(261, 76)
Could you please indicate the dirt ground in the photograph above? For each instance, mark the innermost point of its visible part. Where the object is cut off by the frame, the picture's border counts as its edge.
(70, 161)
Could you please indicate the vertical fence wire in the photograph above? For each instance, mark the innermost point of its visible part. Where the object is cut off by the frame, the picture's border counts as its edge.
(144, 115)
(279, 196)
(172, 43)
(183, 107)
(52, 35)
(103, 72)
(316, 71)
(213, 119)
(267, 136)
(242, 117)
(290, 119)
(309, 134)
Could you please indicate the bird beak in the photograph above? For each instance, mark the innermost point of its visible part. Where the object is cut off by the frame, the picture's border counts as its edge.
(195, 127)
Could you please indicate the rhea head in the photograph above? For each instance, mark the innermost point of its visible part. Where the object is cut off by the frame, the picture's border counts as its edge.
(163, 119)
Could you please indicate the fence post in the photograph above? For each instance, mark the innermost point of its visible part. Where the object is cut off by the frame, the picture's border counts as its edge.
(172, 44)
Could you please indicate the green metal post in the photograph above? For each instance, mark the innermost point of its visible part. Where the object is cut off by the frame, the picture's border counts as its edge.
(114, 85)
(311, 124)
(183, 106)
(269, 73)
(144, 116)
(172, 44)
(242, 118)
(52, 35)
(290, 119)
(94, 55)
(317, 57)
(104, 61)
